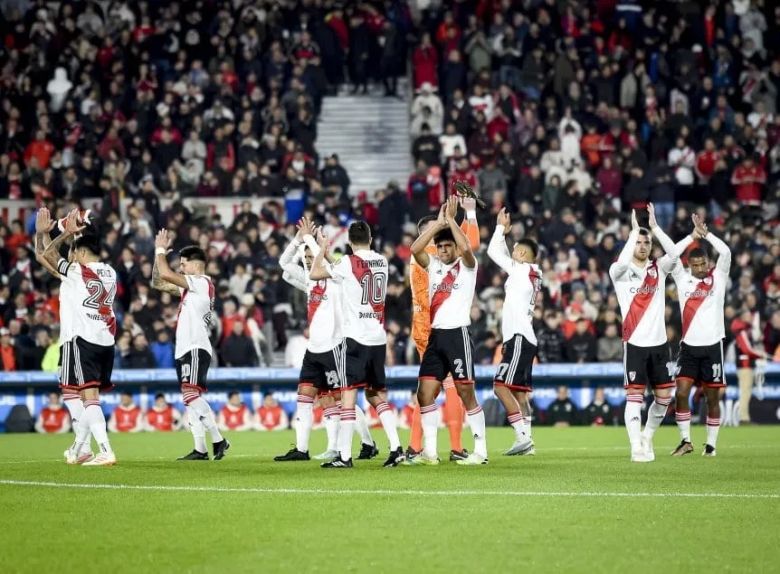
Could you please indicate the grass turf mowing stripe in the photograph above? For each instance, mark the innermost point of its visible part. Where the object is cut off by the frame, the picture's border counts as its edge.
(248, 490)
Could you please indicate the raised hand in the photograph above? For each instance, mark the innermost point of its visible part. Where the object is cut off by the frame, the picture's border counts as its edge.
(72, 226)
(699, 227)
(504, 219)
(452, 207)
(163, 240)
(441, 220)
(468, 203)
(43, 221)
(651, 213)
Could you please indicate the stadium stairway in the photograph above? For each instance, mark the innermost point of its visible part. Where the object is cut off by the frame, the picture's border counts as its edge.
(370, 134)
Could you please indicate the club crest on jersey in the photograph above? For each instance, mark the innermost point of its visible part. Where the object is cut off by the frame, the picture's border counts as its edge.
(708, 280)
(632, 376)
(652, 272)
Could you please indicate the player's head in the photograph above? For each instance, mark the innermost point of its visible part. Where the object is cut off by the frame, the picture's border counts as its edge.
(644, 244)
(525, 251)
(698, 262)
(84, 249)
(446, 248)
(359, 235)
(234, 398)
(126, 399)
(159, 401)
(193, 260)
(308, 257)
(425, 223)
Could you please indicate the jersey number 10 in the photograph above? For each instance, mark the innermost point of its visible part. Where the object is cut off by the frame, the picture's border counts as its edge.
(374, 287)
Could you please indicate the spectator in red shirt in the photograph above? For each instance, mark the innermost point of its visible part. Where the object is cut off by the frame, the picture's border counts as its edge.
(127, 416)
(426, 62)
(53, 418)
(7, 351)
(40, 150)
(162, 417)
(706, 160)
(271, 417)
(748, 180)
(235, 415)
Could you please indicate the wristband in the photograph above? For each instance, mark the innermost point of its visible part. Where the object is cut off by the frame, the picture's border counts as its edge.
(159, 251)
(471, 214)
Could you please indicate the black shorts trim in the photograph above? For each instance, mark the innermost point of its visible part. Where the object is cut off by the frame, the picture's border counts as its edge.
(192, 368)
(325, 371)
(643, 366)
(85, 365)
(517, 359)
(449, 351)
(364, 366)
(702, 364)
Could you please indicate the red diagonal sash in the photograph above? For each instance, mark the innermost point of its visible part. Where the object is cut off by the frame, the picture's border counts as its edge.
(695, 300)
(362, 272)
(641, 301)
(316, 296)
(444, 290)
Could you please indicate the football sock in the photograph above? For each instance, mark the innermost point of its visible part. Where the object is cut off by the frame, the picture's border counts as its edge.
(476, 418)
(197, 429)
(304, 419)
(206, 416)
(390, 423)
(361, 425)
(453, 415)
(430, 425)
(416, 432)
(94, 417)
(346, 428)
(683, 419)
(516, 420)
(713, 426)
(655, 415)
(633, 420)
(76, 409)
(331, 417)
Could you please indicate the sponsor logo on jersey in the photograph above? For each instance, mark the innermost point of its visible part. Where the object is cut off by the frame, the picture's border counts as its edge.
(652, 272)
(645, 290)
(708, 280)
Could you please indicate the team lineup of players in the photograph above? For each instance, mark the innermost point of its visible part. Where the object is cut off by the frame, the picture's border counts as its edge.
(347, 342)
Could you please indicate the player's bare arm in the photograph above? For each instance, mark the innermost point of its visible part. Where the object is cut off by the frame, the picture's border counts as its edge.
(497, 248)
(461, 241)
(419, 245)
(318, 269)
(43, 226)
(163, 277)
(51, 252)
(724, 253)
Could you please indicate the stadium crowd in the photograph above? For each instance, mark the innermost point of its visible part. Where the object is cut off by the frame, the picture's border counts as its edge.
(571, 114)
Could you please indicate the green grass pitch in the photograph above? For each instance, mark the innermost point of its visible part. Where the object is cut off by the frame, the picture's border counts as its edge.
(579, 505)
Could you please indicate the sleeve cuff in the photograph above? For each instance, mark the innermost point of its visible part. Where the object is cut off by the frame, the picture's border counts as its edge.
(62, 266)
(471, 215)
(499, 229)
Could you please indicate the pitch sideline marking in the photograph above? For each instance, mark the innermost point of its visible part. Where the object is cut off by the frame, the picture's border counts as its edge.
(380, 492)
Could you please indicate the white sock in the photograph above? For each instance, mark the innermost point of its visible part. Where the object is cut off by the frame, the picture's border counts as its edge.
(304, 420)
(516, 420)
(75, 407)
(390, 424)
(633, 416)
(684, 424)
(655, 415)
(206, 416)
(197, 429)
(346, 428)
(94, 417)
(332, 418)
(430, 425)
(361, 425)
(476, 418)
(713, 426)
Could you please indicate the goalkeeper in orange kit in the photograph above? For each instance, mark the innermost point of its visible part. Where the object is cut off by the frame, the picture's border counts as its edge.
(421, 329)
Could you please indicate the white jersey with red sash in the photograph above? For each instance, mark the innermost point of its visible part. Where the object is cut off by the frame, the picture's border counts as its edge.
(195, 314)
(702, 300)
(451, 291)
(641, 292)
(86, 302)
(363, 280)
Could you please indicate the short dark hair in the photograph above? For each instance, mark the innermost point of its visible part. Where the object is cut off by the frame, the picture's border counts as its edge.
(89, 242)
(697, 252)
(159, 396)
(233, 394)
(424, 220)
(193, 253)
(443, 235)
(359, 233)
(644, 231)
(530, 244)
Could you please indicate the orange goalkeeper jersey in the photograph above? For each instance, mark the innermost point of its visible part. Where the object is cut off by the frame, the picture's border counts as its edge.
(421, 306)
